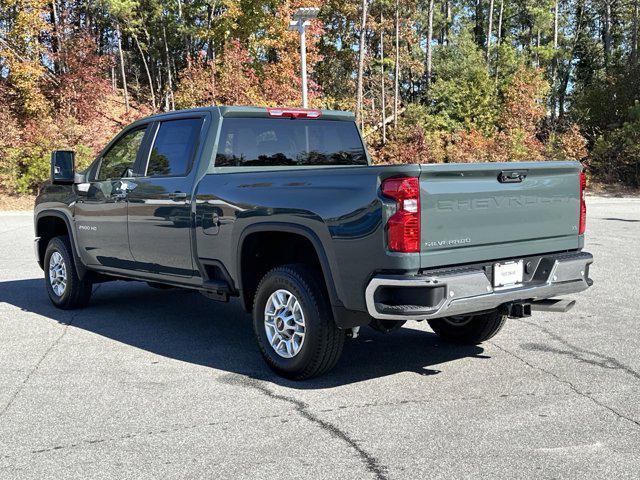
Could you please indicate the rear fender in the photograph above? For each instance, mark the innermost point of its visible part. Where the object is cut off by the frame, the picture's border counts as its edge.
(300, 230)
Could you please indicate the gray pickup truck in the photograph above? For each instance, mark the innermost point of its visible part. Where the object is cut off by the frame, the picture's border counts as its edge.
(283, 209)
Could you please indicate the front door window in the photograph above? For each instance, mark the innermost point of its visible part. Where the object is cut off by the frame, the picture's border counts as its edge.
(118, 161)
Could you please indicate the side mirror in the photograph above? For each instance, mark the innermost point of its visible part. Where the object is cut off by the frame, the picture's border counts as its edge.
(63, 167)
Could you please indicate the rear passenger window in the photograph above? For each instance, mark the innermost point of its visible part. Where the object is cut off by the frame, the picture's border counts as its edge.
(173, 147)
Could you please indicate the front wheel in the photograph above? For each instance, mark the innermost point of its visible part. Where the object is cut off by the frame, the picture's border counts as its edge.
(292, 321)
(64, 287)
(469, 329)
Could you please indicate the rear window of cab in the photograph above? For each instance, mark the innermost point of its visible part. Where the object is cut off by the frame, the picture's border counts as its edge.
(283, 142)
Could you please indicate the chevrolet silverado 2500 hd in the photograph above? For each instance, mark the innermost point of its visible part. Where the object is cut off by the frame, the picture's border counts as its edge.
(282, 208)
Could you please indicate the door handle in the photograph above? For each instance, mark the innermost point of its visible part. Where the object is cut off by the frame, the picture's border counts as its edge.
(176, 196)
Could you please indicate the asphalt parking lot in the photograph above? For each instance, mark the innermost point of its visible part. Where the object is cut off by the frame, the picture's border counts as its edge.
(168, 384)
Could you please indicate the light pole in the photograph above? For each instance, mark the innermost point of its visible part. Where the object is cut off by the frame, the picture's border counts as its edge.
(301, 20)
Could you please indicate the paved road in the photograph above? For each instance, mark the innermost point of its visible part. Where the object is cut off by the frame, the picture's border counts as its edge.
(156, 384)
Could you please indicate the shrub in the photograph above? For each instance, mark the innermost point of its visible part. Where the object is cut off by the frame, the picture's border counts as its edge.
(615, 158)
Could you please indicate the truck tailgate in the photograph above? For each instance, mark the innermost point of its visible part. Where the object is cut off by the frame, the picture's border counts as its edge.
(478, 212)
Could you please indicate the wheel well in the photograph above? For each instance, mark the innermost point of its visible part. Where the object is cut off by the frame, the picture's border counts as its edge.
(263, 251)
(47, 228)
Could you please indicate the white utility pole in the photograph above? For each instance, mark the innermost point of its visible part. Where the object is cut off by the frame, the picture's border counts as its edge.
(301, 20)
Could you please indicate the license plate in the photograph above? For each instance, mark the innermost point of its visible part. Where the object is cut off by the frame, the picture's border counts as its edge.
(508, 273)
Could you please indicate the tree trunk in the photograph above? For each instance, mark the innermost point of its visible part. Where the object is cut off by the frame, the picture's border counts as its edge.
(185, 38)
(169, 78)
(124, 76)
(554, 60)
(634, 34)
(499, 32)
(159, 82)
(442, 36)
(556, 10)
(56, 44)
(412, 85)
(429, 45)
(538, 49)
(137, 79)
(499, 38)
(396, 89)
(606, 34)
(213, 77)
(562, 90)
(529, 44)
(448, 21)
(146, 68)
(210, 47)
(411, 88)
(479, 24)
(363, 32)
(388, 120)
(490, 28)
(382, 95)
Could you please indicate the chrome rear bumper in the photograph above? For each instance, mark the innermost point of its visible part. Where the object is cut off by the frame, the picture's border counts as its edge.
(467, 290)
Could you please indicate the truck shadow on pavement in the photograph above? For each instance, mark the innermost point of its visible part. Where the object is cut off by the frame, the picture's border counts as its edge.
(188, 327)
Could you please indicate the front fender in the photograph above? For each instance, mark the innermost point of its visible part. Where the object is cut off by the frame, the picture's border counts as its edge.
(68, 220)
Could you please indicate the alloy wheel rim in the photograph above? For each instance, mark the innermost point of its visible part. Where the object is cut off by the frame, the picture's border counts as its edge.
(57, 274)
(284, 323)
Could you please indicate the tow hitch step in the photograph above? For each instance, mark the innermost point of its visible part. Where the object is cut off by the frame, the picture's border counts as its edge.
(553, 305)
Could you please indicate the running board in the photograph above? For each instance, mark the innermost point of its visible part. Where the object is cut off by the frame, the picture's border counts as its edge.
(216, 290)
(553, 305)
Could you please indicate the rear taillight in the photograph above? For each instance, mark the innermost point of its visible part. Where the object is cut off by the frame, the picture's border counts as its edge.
(293, 112)
(403, 228)
(583, 206)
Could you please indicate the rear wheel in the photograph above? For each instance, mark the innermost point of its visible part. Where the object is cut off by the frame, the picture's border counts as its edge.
(64, 287)
(292, 321)
(469, 329)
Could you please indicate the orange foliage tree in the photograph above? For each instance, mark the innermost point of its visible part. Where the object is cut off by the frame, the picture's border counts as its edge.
(243, 74)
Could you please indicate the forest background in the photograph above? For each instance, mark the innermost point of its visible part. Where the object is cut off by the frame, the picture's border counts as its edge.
(430, 81)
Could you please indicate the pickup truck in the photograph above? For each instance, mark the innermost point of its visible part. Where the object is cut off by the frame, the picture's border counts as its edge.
(284, 209)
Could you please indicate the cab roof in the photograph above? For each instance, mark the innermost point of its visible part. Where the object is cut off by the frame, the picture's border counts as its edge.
(253, 112)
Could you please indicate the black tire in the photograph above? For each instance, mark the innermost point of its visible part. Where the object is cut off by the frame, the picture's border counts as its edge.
(76, 292)
(386, 326)
(469, 329)
(323, 340)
